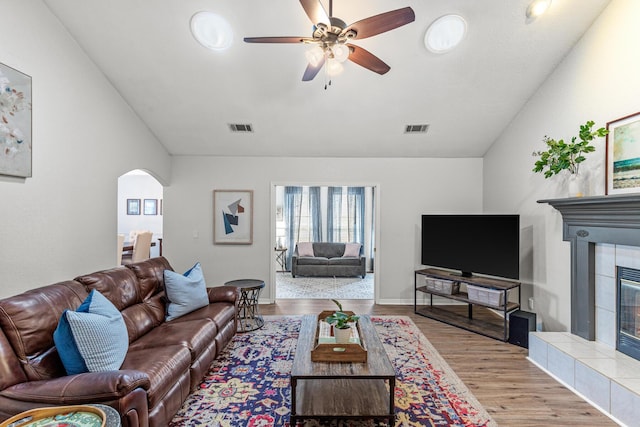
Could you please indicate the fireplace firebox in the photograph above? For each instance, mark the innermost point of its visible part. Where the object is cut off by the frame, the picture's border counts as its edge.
(628, 341)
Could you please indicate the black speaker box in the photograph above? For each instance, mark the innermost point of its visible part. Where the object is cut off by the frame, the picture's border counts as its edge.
(520, 324)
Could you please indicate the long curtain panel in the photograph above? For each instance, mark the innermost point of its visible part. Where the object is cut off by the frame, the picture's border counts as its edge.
(372, 224)
(292, 203)
(355, 203)
(334, 213)
(315, 214)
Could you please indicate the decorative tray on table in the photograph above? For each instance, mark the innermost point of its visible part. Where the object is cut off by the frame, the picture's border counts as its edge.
(325, 347)
(59, 416)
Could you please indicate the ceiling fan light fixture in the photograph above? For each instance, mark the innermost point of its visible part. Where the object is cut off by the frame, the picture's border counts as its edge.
(211, 30)
(340, 52)
(315, 55)
(445, 33)
(537, 8)
(334, 67)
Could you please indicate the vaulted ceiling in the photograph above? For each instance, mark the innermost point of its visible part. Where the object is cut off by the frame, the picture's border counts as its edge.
(188, 95)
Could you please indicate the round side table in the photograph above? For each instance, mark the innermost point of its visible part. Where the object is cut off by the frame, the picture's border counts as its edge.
(249, 317)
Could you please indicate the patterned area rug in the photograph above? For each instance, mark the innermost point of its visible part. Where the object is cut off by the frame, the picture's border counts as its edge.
(248, 385)
(324, 287)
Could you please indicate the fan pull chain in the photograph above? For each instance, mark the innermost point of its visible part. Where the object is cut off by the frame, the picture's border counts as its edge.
(326, 73)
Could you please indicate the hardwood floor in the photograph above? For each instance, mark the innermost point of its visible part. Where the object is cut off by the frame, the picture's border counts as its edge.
(513, 390)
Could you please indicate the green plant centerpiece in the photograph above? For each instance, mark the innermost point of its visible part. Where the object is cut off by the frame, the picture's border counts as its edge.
(341, 322)
(562, 156)
(340, 319)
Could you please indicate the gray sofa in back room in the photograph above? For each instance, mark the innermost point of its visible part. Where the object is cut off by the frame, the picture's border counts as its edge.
(328, 260)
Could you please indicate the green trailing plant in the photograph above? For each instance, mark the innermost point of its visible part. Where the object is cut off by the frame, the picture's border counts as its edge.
(561, 156)
(340, 319)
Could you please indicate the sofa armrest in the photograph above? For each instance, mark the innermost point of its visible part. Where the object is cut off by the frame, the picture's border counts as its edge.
(224, 294)
(91, 387)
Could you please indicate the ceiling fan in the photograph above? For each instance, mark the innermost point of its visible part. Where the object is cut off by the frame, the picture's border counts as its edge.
(331, 36)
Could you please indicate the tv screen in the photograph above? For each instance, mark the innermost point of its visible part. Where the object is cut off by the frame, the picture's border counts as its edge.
(482, 244)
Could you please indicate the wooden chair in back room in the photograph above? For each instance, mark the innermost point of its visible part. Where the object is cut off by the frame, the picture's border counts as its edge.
(119, 249)
(141, 248)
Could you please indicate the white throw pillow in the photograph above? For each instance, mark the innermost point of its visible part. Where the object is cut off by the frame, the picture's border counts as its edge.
(351, 250)
(305, 249)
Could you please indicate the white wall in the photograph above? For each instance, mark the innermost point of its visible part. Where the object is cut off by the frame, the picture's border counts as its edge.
(62, 222)
(406, 188)
(597, 81)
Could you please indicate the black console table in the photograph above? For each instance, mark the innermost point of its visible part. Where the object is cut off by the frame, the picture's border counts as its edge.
(497, 330)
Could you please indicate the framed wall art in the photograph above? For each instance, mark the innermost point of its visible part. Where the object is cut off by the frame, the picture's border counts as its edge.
(15, 123)
(623, 155)
(232, 217)
(150, 207)
(133, 206)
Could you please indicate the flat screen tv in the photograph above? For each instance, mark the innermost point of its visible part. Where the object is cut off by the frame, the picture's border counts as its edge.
(482, 244)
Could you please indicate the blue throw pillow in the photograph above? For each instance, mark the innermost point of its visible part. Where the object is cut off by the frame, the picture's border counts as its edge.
(186, 292)
(93, 338)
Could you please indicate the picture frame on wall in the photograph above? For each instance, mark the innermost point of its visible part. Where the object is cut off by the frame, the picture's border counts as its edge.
(15, 123)
(133, 206)
(623, 155)
(150, 206)
(232, 217)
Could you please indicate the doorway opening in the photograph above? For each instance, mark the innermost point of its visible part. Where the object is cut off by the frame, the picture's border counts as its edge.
(335, 214)
(140, 208)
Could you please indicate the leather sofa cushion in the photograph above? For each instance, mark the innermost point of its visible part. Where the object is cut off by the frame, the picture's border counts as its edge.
(221, 313)
(313, 261)
(11, 371)
(196, 335)
(118, 285)
(141, 318)
(150, 274)
(141, 309)
(164, 366)
(28, 321)
(344, 261)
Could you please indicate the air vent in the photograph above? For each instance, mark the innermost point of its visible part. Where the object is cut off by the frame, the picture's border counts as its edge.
(242, 128)
(416, 128)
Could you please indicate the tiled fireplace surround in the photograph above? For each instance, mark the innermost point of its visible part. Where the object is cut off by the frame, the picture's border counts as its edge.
(604, 233)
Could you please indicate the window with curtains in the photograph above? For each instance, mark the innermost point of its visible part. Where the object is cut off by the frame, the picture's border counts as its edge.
(333, 214)
(345, 214)
(310, 221)
(303, 217)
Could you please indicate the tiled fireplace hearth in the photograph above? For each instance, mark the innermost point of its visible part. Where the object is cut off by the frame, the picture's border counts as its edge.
(604, 233)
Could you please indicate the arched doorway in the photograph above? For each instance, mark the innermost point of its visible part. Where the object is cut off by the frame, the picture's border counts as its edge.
(140, 198)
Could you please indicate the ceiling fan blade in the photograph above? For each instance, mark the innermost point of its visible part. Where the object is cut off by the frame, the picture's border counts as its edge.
(278, 40)
(312, 71)
(315, 12)
(377, 24)
(367, 59)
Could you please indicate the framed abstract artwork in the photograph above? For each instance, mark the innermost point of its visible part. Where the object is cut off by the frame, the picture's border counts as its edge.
(15, 123)
(133, 206)
(232, 217)
(623, 155)
(150, 207)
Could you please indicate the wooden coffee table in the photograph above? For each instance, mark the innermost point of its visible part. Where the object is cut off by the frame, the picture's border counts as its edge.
(346, 391)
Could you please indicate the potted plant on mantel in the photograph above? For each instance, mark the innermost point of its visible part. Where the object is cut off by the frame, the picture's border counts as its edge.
(561, 156)
(341, 323)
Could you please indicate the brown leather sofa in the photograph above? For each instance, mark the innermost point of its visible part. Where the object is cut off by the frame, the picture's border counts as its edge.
(164, 363)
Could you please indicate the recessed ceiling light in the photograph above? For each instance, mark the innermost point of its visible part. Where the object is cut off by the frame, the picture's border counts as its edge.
(537, 8)
(211, 30)
(445, 33)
